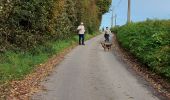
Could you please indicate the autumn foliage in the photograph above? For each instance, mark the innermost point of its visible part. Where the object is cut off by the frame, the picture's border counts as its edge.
(24, 24)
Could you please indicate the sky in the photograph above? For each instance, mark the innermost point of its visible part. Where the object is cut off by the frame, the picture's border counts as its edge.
(140, 11)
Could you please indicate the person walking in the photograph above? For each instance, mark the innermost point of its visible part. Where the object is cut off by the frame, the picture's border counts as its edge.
(107, 34)
(81, 31)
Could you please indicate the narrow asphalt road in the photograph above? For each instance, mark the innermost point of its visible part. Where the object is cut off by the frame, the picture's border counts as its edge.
(90, 73)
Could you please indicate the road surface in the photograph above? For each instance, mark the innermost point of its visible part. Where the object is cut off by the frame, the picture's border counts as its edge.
(90, 73)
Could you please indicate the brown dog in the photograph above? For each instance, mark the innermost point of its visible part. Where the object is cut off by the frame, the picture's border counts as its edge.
(106, 45)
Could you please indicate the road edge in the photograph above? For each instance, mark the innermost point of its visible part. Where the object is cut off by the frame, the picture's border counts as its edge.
(153, 81)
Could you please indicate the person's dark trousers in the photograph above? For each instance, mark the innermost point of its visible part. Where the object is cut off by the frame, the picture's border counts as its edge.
(81, 39)
(106, 37)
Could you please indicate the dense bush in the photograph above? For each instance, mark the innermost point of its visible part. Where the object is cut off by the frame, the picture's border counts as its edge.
(149, 41)
(24, 24)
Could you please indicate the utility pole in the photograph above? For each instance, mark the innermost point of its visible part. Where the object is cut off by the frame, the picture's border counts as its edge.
(112, 17)
(115, 19)
(129, 12)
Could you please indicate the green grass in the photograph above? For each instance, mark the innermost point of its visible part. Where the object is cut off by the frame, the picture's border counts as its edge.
(15, 65)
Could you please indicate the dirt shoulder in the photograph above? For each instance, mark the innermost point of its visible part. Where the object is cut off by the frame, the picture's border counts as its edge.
(157, 82)
(23, 89)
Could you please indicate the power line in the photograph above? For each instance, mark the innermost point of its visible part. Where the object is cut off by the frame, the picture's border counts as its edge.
(114, 16)
(118, 3)
(113, 10)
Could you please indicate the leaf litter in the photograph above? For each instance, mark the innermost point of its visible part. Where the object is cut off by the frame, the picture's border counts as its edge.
(160, 84)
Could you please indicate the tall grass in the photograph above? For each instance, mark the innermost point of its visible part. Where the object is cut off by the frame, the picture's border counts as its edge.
(15, 65)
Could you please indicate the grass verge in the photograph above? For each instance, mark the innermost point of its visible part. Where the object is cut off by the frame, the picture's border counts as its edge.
(16, 65)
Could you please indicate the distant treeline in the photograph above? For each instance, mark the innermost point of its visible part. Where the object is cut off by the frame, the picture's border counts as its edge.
(24, 24)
